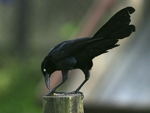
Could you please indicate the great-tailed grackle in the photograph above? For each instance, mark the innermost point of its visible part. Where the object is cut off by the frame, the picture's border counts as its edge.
(78, 53)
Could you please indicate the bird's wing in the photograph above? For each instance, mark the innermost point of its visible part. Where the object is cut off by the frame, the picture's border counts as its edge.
(67, 48)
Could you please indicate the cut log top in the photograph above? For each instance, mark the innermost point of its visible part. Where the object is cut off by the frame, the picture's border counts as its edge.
(60, 103)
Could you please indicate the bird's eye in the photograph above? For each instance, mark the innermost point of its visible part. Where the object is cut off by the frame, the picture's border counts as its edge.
(44, 70)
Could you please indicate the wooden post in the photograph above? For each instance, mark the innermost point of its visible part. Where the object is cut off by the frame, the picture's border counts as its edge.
(70, 103)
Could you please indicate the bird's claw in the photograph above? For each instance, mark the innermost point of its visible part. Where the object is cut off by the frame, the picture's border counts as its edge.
(50, 93)
(82, 95)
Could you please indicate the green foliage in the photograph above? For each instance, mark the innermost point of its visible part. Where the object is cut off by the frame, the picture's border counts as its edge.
(19, 79)
(46, 24)
(68, 29)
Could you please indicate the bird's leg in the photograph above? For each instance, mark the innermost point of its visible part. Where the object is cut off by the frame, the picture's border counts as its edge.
(77, 90)
(64, 76)
(87, 76)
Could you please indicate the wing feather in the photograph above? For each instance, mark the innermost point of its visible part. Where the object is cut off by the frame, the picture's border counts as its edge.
(67, 48)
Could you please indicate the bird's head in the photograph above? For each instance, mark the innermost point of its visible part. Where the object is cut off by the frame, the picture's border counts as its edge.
(47, 69)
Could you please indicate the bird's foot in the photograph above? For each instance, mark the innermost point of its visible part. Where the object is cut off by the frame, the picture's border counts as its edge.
(51, 93)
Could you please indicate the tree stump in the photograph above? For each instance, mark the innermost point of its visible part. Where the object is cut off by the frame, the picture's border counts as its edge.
(60, 103)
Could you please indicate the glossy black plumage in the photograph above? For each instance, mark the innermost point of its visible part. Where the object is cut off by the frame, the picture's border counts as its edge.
(78, 53)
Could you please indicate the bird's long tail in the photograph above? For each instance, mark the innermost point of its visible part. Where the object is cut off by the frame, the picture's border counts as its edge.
(107, 37)
(118, 26)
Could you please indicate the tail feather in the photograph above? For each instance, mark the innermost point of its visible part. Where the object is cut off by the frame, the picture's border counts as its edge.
(107, 37)
(123, 32)
(119, 23)
(98, 47)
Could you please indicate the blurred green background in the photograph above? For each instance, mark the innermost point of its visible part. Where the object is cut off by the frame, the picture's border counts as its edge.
(30, 28)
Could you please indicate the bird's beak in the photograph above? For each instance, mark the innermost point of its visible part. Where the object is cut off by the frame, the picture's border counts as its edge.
(47, 81)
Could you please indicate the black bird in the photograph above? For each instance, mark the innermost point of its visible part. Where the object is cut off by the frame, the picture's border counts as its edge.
(78, 53)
